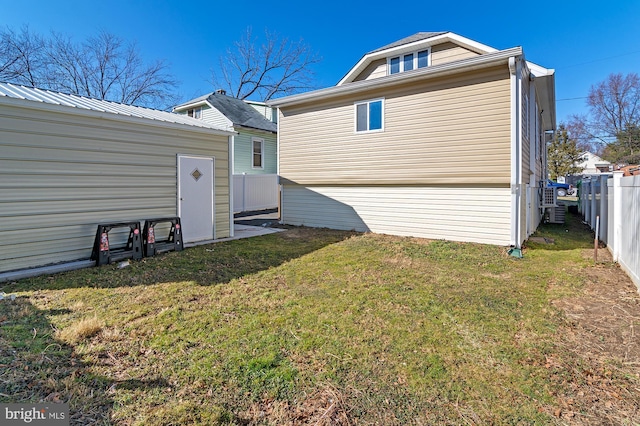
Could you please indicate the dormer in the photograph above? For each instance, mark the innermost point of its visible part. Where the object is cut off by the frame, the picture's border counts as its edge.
(420, 50)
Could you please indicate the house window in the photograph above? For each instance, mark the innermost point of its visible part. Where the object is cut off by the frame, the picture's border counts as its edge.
(195, 112)
(394, 65)
(423, 59)
(369, 115)
(257, 158)
(410, 61)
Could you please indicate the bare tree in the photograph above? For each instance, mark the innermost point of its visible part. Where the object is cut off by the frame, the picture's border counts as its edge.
(103, 66)
(21, 57)
(615, 103)
(274, 68)
(614, 116)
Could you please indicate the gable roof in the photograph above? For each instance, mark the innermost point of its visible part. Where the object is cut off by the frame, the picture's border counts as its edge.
(415, 37)
(365, 86)
(31, 96)
(417, 41)
(236, 110)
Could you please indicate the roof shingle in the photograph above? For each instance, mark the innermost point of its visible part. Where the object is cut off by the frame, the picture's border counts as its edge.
(236, 110)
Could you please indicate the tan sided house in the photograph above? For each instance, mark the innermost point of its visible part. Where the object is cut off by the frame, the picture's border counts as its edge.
(433, 136)
(69, 163)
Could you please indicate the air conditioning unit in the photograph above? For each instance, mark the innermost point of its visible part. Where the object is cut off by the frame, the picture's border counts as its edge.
(549, 197)
(556, 214)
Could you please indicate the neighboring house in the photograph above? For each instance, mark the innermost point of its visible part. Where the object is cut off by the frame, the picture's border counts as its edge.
(69, 163)
(271, 114)
(255, 145)
(434, 136)
(630, 170)
(591, 164)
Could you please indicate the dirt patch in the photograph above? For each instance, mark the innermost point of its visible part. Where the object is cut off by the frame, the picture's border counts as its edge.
(323, 408)
(601, 343)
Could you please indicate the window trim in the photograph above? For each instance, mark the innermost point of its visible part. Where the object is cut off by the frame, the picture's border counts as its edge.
(253, 153)
(195, 112)
(368, 102)
(401, 56)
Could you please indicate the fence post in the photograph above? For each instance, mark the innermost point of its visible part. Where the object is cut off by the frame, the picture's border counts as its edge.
(604, 207)
(593, 208)
(244, 191)
(586, 193)
(617, 214)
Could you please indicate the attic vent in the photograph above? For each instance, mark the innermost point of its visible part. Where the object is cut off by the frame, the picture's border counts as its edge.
(221, 92)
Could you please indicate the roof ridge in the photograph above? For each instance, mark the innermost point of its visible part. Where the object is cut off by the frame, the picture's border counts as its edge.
(421, 35)
(86, 103)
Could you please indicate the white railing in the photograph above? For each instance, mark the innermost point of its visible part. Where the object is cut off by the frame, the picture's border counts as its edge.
(255, 192)
(615, 200)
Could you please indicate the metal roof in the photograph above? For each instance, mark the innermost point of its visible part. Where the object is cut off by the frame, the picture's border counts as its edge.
(236, 110)
(82, 103)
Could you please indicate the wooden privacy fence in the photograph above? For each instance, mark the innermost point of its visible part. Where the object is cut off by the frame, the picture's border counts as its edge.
(255, 192)
(615, 200)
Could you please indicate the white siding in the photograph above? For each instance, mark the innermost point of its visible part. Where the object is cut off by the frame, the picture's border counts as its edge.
(215, 117)
(453, 213)
(63, 172)
(212, 116)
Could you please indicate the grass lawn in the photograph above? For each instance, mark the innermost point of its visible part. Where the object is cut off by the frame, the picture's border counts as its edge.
(324, 327)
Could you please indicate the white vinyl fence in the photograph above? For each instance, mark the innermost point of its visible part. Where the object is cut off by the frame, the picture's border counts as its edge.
(255, 192)
(616, 201)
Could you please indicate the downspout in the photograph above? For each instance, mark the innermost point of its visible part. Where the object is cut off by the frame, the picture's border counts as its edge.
(515, 71)
(231, 170)
(280, 187)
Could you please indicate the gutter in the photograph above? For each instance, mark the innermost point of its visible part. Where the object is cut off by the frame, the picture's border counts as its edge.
(470, 64)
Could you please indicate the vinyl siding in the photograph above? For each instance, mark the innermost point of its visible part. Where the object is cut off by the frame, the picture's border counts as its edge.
(215, 117)
(266, 111)
(212, 116)
(454, 213)
(449, 52)
(440, 54)
(243, 152)
(374, 70)
(527, 113)
(453, 131)
(532, 156)
(63, 173)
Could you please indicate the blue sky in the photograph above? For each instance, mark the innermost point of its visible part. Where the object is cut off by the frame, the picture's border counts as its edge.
(584, 41)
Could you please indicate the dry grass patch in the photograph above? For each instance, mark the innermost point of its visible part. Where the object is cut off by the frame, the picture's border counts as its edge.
(315, 326)
(80, 330)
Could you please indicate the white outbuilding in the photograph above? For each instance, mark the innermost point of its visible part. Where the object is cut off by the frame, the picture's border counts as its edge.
(69, 163)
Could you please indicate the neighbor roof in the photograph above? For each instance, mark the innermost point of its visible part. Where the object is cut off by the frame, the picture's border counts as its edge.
(236, 110)
(82, 103)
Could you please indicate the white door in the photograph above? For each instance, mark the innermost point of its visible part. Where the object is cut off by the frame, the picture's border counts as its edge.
(195, 197)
